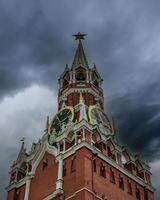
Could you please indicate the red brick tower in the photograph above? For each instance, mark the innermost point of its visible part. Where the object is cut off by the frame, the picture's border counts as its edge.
(78, 157)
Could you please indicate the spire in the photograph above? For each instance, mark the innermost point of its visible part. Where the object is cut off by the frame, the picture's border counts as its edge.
(22, 150)
(47, 125)
(80, 57)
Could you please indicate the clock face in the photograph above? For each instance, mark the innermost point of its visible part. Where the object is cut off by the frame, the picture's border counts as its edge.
(97, 116)
(61, 119)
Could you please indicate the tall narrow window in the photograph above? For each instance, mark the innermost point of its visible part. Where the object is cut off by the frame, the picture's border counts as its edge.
(16, 194)
(102, 170)
(145, 194)
(121, 182)
(94, 165)
(112, 176)
(64, 169)
(129, 187)
(138, 196)
(45, 163)
(109, 151)
(73, 164)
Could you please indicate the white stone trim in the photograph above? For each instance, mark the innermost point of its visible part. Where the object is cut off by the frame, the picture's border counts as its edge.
(45, 148)
(54, 194)
(91, 90)
(84, 188)
(16, 185)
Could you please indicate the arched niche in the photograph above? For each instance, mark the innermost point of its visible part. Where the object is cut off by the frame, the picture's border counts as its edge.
(95, 79)
(110, 146)
(110, 150)
(96, 136)
(23, 166)
(80, 74)
(139, 166)
(22, 171)
(66, 79)
(125, 158)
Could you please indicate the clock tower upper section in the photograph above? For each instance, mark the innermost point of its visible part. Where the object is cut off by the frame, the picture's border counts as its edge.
(80, 78)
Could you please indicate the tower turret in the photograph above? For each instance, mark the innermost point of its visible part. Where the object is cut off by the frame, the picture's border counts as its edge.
(80, 78)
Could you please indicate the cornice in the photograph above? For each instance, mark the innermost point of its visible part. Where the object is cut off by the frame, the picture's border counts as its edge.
(91, 90)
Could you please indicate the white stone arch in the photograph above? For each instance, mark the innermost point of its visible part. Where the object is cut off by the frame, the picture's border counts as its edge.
(125, 157)
(139, 165)
(71, 135)
(83, 71)
(45, 147)
(23, 166)
(110, 145)
(96, 135)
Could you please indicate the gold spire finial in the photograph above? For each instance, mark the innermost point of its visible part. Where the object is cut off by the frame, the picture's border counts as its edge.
(80, 57)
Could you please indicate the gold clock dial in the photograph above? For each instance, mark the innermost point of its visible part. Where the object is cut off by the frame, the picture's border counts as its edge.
(98, 116)
(60, 119)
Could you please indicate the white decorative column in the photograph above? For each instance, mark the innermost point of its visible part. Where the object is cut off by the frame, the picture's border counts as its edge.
(58, 147)
(116, 155)
(64, 145)
(87, 76)
(74, 76)
(70, 77)
(59, 183)
(75, 138)
(27, 188)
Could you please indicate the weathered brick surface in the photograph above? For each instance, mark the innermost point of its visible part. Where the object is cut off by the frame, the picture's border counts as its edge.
(44, 181)
(84, 177)
(80, 181)
(20, 193)
(10, 195)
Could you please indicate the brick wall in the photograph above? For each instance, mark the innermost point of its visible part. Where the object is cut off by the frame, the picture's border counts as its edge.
(85, 177)
(44, 181)
(16, 193)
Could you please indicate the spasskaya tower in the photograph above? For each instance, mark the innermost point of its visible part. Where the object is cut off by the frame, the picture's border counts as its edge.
(78, 157)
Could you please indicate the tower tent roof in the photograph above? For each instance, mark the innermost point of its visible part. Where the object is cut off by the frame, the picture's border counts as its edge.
(80, 57)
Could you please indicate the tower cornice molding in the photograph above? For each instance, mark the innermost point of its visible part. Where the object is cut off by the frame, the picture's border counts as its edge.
(69, 91)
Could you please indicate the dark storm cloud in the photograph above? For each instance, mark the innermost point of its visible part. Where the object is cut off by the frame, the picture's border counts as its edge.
(36, 41)
(123, 39)
(138, 121)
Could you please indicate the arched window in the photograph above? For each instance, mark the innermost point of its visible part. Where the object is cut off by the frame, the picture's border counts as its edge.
(73, 165)
(94, 165)
(45, 163)
(64, 169)
(80, 74)
(112, 176)
(102, 170)
(109, 151)
(121, 182)
(66, 79)
(129, 187)
(95, 79)
(138, 196)
(16, 194)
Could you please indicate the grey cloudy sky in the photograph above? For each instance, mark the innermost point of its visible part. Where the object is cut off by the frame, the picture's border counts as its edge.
(123, 39)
